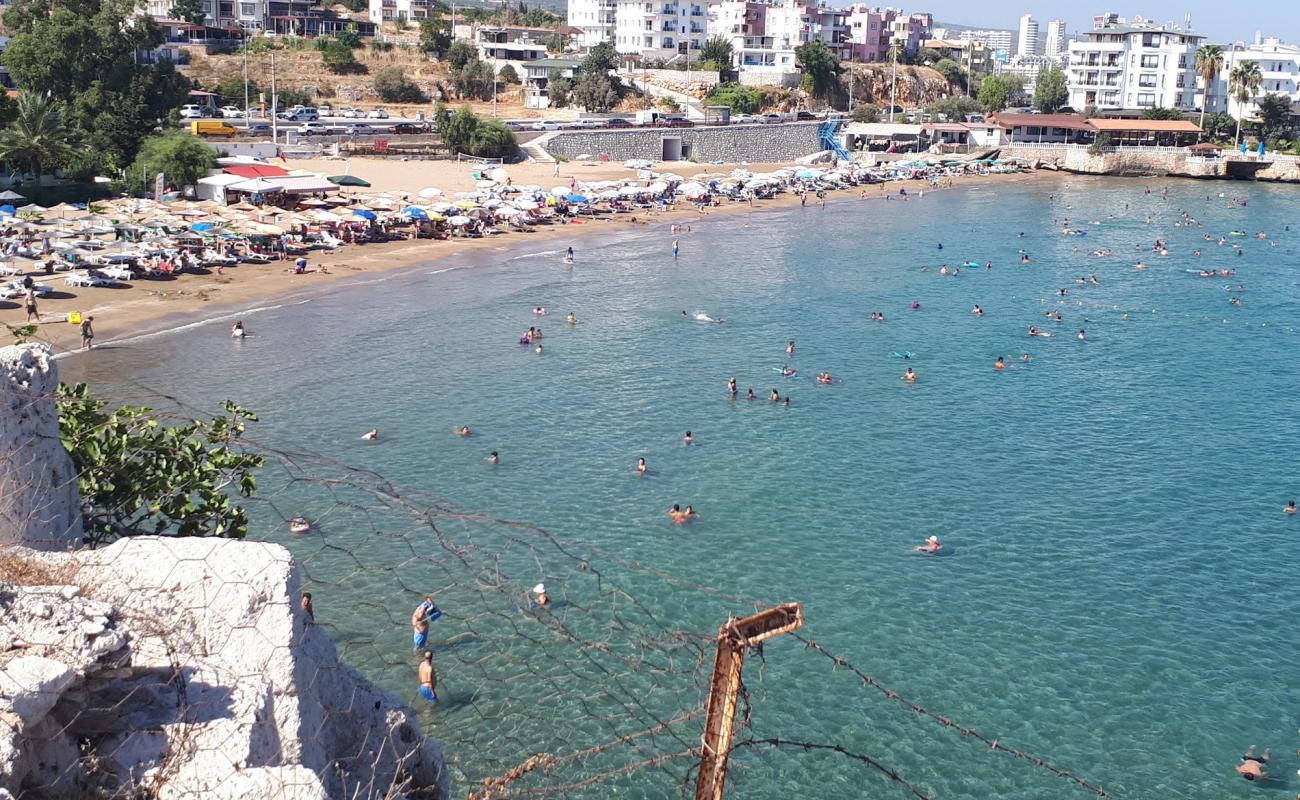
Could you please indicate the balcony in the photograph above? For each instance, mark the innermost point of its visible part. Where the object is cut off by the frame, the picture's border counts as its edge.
(669, 10)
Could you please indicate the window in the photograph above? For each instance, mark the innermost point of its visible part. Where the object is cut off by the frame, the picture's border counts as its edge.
(1147, 81)
(247, 9)
(1150, 62)
(1146, 100)
(1150, 40)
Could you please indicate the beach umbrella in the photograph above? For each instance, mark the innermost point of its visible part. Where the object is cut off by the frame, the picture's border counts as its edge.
(658, 187)
(526, 205)
(32, 208)
(415, 212)
(365, 213)
(7, 210)
(202, 226)
(347, 180)
(10, 194)
(507, 212)
(559, 191)
(576, 198)
(460, 220)
(430, 192)
(465, 204)
(312, 202)
(498, 174)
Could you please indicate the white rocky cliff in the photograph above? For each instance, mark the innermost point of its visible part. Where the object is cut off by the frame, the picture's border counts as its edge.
(184, 668)
(38, 487)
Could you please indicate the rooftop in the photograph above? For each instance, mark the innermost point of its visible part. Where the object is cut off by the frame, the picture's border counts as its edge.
(1160, 125)
(1068, 121)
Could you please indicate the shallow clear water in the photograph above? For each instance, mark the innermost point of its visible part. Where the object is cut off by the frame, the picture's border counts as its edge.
(1122, 593)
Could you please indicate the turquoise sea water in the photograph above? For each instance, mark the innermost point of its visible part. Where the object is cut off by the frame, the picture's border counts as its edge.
(1122, 591)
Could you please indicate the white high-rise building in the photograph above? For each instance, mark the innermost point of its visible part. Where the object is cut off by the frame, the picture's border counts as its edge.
(594, 19)
(1027, 42)
(1057, 41)
(661, 29)
(1000, 42)
(1279, 65)
(1134, 66)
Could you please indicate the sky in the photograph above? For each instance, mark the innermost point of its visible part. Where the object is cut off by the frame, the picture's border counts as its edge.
(1221, 22)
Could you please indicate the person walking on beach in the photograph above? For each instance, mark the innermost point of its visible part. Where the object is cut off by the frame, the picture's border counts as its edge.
(428, 679)
(31, 304)
(87, 333)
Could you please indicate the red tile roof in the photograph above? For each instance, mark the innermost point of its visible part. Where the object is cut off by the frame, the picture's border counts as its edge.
(256, 171)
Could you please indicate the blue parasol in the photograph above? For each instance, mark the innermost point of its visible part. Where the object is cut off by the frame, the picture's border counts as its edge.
(361, 212)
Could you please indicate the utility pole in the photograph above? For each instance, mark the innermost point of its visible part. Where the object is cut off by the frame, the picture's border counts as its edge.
(245, 79)
(494, 87)
(893, 81)
(275, 104)
(719, 723)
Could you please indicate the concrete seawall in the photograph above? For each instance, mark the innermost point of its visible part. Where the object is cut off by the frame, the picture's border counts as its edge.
(1155, 162)
(756, 143)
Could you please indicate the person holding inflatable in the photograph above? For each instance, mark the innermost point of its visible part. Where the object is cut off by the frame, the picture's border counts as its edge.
(424, 613)
(931, 546)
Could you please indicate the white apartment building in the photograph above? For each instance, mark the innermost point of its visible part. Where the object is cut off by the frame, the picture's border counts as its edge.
(247, 14)
(1002, 43)
(595, 19)
(1027, 67)
(1279, 64)
(1134, 66)
(1027, 41)
(1057, 40)
(388, 10)
(659, 30)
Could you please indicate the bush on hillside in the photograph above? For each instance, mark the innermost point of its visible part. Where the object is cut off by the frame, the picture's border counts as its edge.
(740, 99)
(392, 86)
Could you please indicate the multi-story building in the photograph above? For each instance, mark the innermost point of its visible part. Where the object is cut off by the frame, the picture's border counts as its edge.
(511, 43)
(1279, 65)
(247, 14)
(873, 31)
(1027, 68)
(1133, 66)
(1027, 40)
(1057, 40)
(594, 19)
(388, 10)
(1001, 43)
(972, 56)
(660, 30)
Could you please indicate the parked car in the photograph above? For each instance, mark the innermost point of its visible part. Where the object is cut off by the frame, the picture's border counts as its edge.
(617, 122)
(326, 110)
(804, 115)
(678, 122)
(232, 112)
(313, 129)
(585, 123)
(258, 129)
(743, 119)
(359, 129)
(301, 114)
(212, 127)
(771, 119)
(192, 112)
(377, 113)
(545, 125)
(349, 113)
(410, 127)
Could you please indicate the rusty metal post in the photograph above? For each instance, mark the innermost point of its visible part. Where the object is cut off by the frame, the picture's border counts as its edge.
(720, 717)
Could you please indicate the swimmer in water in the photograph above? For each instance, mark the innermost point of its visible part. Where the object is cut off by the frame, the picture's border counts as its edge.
(931, 545)
(789, 349)
(463, 430)
(539, 312)
(640, 466)
(571, 319)
(1083, 336)
(538, 351)
(999, 365)
(824, 377)
(493, 458)
(909, 376)
(916, 305)
(1024, 356)
(237, 331)
(750, 395)
(1290, 507)
(732, 390)
(977, 311)
(370, 435)
(1252, 766)
(776, 396)
(786, 372)
(786, 401)
(676, 513)
(688, 439)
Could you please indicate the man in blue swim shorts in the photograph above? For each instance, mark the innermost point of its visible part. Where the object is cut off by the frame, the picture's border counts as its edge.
(420, 619)
(428, 679)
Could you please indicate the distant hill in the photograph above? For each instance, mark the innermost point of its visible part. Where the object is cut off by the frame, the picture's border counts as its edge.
(953, 26)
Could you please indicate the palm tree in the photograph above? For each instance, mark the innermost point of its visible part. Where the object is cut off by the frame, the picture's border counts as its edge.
(37, 135)
(1209, 63)
(1243, 82)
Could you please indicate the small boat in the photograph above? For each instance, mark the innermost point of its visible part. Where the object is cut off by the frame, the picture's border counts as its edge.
(298, 526)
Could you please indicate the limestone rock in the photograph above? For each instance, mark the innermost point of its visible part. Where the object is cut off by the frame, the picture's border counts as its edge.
(39, 505)
(31, 685)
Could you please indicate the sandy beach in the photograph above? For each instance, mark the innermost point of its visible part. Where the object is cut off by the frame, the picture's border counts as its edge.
(144, 306)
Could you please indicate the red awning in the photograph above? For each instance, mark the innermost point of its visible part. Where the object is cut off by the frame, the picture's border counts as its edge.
(257, 171)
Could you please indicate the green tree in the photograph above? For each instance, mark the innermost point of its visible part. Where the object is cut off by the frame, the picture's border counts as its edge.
(1274, 109)
(740, 99)
(951, 72)
(288, 98)
(349, 36)
(84, 53)
(230, 90)
(1159, 112)
(458, 129)
(1050, 92)
(474, 80)
(508, 74)
(928, 55)
(38, 135)
(138, 475)
(718, 50)
(996, 91)
(866, 113)
(817, 60)
(435, 35)
(189, 10)
(182, 158)
(1243, 83)
(392, 86)
(595, 92)
(1209, 63)
(355, 6)
(338, 58)
(558, 89)
(1218, 126)
(492, 139)
(602, 60)
(459, 54)
(954, 109)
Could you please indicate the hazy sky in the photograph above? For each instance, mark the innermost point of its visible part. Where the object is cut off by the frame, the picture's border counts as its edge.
(1220, 21)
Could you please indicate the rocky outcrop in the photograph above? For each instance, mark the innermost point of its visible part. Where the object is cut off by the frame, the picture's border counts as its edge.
(38, 484)
(916, 86)
(185, 669)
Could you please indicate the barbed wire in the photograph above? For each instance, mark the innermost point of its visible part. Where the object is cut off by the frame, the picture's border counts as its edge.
(993, 744)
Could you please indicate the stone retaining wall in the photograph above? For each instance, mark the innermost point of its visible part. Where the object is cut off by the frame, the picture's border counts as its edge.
(1155, 162)
(754, 143)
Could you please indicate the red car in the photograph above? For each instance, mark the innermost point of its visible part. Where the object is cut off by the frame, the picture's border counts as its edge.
(678, 122)
(411, 127)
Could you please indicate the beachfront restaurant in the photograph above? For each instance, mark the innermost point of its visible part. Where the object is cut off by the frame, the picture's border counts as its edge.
(1045, 128)
(882, 137)
(947, 137)
(1149, 132)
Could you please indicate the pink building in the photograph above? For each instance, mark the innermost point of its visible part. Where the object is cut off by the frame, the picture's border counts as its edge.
(872, 31)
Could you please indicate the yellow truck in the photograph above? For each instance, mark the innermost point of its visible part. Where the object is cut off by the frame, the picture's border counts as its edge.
(212, 127)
